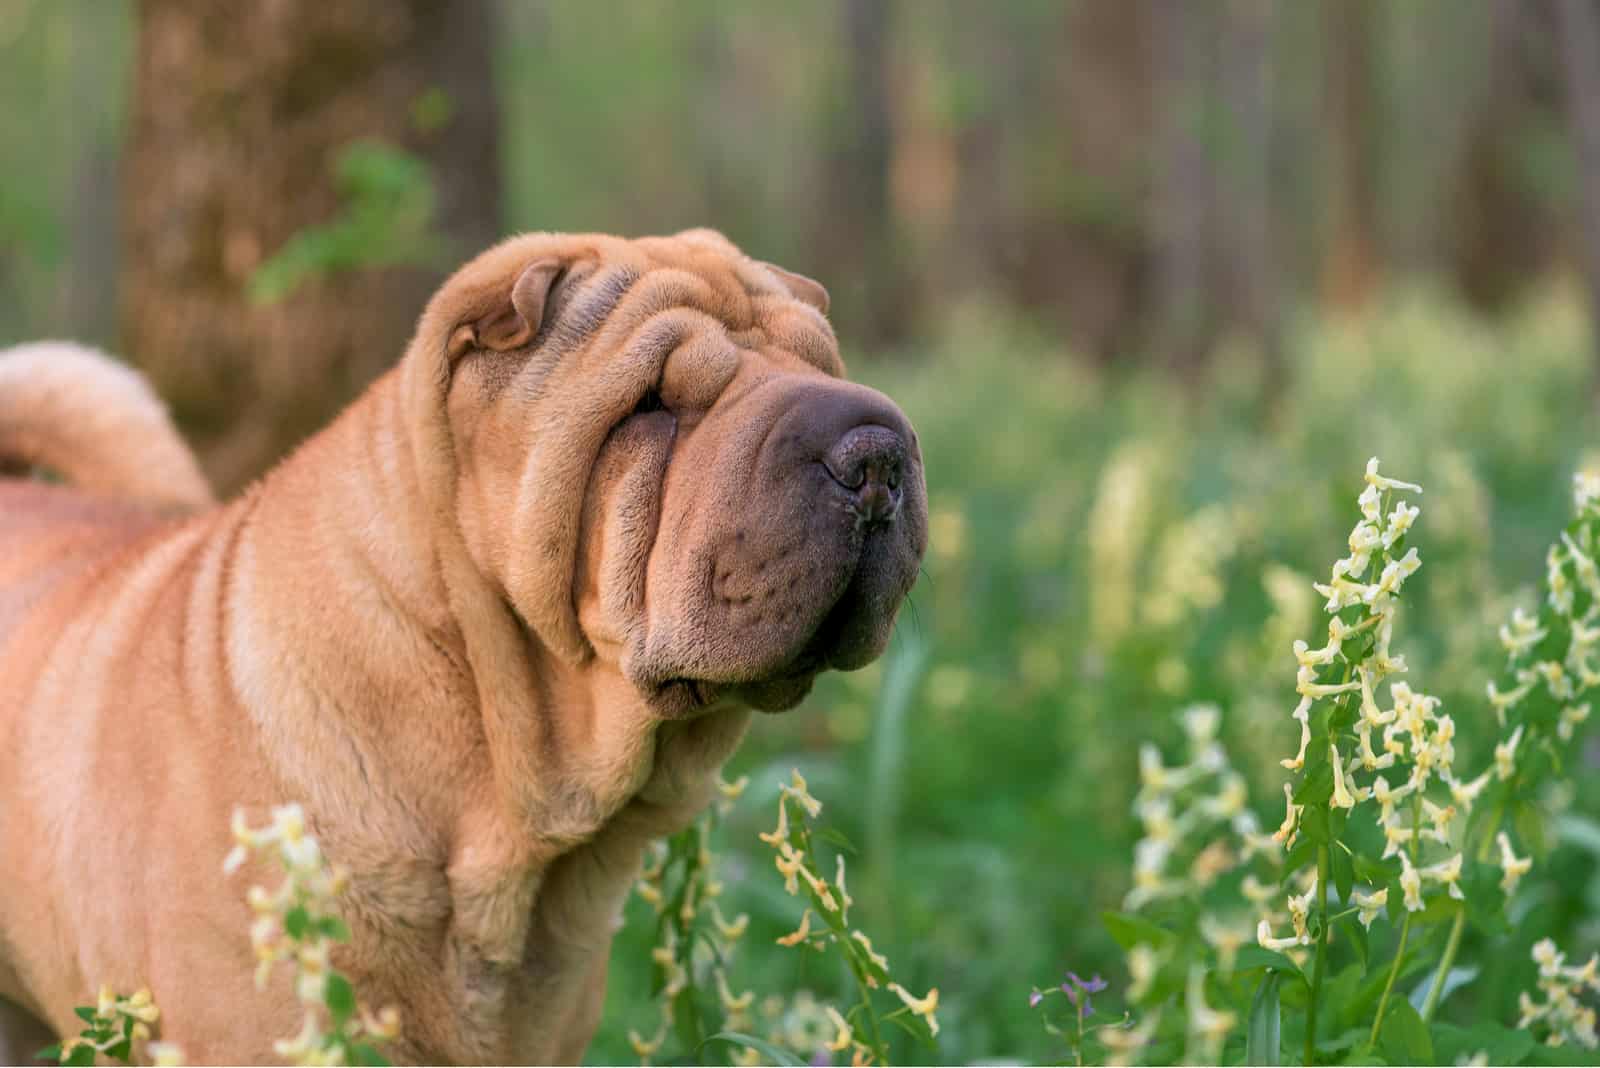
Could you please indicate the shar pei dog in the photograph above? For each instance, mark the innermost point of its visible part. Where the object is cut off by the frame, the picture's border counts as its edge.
(495, 628)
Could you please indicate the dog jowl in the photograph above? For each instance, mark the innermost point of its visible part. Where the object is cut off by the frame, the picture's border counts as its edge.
(496, 627)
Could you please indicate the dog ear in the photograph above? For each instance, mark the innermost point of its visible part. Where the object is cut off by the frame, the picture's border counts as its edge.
(807, 290)
(514, 320)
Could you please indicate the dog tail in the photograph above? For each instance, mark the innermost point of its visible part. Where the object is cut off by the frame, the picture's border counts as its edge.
(97, 424)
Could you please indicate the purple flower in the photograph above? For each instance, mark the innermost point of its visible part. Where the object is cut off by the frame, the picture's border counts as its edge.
(1034, 999)
(1075, 987)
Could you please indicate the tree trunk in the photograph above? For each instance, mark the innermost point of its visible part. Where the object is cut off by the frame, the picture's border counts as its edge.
(1580, 55)
(1247, 77)
(1351, 271)
(857, 236)
(239, 112)
(1182, 40)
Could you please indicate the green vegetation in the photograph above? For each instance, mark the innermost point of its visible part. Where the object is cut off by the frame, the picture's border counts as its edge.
(1107, 550)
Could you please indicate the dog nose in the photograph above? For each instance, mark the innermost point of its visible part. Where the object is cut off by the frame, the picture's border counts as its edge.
(868, 461)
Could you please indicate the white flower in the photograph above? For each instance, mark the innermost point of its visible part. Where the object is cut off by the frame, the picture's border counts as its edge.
(1302, 713)
(1410, 884)
(1370, 904)
(1505, 754)
(1400, 521)
(1448, 874)
(1377, 481)
(1513, 866)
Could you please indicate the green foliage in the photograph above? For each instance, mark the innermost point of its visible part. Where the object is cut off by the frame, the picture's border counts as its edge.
(1016, 776)
(385, 219)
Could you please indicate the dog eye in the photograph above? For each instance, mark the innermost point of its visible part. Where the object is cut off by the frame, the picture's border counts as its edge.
(650, 402)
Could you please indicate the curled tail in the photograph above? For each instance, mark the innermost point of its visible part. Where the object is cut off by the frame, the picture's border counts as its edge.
(97, 424)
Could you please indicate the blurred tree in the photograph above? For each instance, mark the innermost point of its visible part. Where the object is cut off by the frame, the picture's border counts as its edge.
(1350, 271)
(856, 231)
(1580, 51)
(1502, 225)
(240, 115)
(1250, 261)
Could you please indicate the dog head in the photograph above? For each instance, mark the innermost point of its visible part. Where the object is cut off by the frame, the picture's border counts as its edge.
(654, 460)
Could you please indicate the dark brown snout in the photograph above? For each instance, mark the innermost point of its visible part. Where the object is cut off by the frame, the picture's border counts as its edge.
(869, 462)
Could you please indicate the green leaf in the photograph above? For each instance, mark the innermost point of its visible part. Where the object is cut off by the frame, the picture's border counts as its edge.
(80, 1057)
(368, 1056)
(84, 1013)
(49, 1053)
(334, 928)
(1317, 786)
(1375, 872)
(1261, 1039)
(1344, 873)
(1404, 1038)
(120, 1051)
(915, 1026)
(1255, 956)
(296, 922)
(1130, 930)
(775, 1054)
(1455, 980)
(340, 998)
(1357, 934)
(835, 837)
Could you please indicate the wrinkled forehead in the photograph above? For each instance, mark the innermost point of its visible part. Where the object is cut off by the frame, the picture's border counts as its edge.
(753, 304)
(611, 282)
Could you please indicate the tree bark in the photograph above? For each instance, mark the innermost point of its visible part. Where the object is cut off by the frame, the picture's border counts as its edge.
(239, 111)
(1247, 76)
(1182, 40)
(1350, 274)
(1580, 54)
(857, 236)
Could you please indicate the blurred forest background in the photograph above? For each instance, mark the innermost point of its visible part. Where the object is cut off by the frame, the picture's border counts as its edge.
(1153, 277)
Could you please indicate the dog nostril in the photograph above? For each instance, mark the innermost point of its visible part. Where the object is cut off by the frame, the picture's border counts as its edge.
(868, 461)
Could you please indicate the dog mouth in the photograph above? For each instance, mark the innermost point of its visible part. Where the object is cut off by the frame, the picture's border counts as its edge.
(683, 696)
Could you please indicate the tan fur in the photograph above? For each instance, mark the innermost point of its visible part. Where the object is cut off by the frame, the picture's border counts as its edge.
(95, 422)
(456, 625)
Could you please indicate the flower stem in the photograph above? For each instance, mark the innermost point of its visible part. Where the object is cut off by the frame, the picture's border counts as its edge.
(1453, 944)
(1080, 1035)
(1437, 989)
(1388, 987)
(1323, 864)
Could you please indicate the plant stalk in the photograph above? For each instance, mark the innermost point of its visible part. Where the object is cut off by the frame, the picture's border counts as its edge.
(1323, 865)
(1388, 987)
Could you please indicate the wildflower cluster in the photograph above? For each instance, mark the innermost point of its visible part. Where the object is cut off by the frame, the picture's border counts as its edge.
(1202, 851)
(111, 1027)
(1561, 1016)
(695, 941)
(1432, 846)
(859, 1030)
(299, 922)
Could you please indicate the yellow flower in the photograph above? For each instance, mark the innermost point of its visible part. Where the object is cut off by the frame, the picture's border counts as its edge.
(797, 790)
(778, 836)
(1341, 796)
(732, 930)
(800, 933)
(923, 1006)
(877, 958)
(1505, 754)
(732, 791)
(843, 1036)
(729, 1002)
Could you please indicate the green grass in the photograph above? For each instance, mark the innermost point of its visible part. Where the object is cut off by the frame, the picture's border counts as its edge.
(1073, 602)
